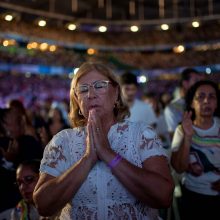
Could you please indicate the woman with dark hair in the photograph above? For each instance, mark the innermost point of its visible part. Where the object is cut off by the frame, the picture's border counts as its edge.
(106, 167)
(27, 175)
(196, 152)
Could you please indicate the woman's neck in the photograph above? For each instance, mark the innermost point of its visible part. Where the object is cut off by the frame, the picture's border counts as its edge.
(203, 123)
(106, 124)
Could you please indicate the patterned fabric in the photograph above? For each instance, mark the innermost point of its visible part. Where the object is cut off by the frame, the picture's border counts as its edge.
(204, 155)
(102, 196)
(24, 211)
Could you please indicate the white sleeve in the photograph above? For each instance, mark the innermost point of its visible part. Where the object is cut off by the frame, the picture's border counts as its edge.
(150, 145)
(170, 118)
(55, 156)
(151, 117)
(177, 138)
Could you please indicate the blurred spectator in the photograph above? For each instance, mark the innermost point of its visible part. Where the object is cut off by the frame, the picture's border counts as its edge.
(139, 111)
(20, 115)
(174, 111)
(57, 121)
(9, 195)
(196, 153)
(27, 175)
(161, 126)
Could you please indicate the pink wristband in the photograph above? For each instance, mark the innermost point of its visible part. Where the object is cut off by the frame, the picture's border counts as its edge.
(114, 161)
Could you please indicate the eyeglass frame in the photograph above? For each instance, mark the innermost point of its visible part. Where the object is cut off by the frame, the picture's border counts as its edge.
(91, 85)
(25, 181)
(202, 97)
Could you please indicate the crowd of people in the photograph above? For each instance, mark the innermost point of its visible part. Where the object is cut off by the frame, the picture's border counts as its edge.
(69, 58)
(36, 90)
(108, 159)
(100, 145)
(205, 32)
(125, 53)
(33, 90)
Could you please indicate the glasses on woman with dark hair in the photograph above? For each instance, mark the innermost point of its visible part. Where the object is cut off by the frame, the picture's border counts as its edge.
(27, 180)
(99, 87)
(202, 96)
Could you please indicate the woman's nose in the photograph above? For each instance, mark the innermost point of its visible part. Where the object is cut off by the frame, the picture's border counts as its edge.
(22, 186)
(91, 92)
(206, 99)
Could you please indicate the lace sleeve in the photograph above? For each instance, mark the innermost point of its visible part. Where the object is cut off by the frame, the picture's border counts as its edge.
(54, 160)
(150, 144)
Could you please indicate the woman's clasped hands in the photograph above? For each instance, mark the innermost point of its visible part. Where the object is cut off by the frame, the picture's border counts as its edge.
(97, 141)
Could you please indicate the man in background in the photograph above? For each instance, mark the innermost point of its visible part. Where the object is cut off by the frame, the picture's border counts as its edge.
(174, 111)
(140, 111)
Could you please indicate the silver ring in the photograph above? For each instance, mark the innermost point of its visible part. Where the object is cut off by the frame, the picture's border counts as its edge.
(97, 129)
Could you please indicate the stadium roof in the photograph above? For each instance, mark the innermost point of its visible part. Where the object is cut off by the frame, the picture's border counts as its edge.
(114, 11)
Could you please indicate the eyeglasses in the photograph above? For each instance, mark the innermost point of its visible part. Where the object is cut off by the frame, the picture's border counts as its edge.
(202, 96)
(25, 180)
(100, 87)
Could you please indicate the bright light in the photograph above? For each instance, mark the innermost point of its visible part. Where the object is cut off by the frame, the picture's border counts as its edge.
(9, 17)
(43, 46)
(52, 48)
(134, 28)
(75, 70)
(102, 28)
(195, 24)
(90, 51)
(5, 43)
(179, 49)
(10, 42)
(164, 27)
(29, 47)
(208, 70)
(71, 27)
(142, 79)
(42, 23)
(34, 45)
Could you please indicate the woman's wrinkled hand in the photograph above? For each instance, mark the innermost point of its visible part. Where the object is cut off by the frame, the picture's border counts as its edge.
(187, 124)
(98, 137)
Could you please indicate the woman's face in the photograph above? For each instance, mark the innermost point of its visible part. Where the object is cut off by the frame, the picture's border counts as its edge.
(205, 101)
(100, 95)
(14, 124)
(26, 181)
(55, 115)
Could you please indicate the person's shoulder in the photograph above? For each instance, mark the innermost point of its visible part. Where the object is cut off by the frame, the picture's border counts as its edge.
(140, 125)
(177, 101)
(66, 134)
(142, 104)
(68, 130)
(7, 214)
(175, 104)
(217, 120)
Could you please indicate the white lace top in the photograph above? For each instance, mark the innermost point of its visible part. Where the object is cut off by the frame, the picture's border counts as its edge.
(102, 196)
